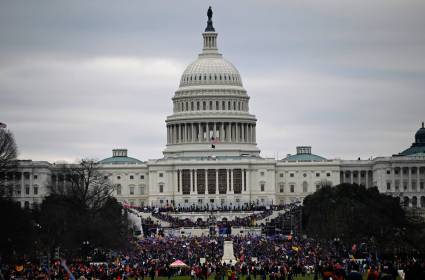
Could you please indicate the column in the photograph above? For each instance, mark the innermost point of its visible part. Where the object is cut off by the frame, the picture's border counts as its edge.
(237, 132)
(192, 189)
(222, 132)
(199, 132)
(367, 179)
(181, 181)
(227, 181)
(418, 183)
(249, 133)
(243, 180)
(359, 173)
(231, 180)
(229, 132)
(254, 133)
(216, 182)
(206, 181)
(192, 136)
(215, 130)
(178, 133)
(196, 181)
(401, 180)
(207, 134)
(243, 132)
(409, 185)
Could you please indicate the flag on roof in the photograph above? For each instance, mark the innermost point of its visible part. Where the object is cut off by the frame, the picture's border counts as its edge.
(214, 141)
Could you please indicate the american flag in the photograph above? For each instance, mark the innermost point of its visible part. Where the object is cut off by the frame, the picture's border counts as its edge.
(214, 141)
(3, 125)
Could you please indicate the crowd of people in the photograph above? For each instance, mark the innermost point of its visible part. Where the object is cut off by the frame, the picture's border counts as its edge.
(278, 257)
(247, 221)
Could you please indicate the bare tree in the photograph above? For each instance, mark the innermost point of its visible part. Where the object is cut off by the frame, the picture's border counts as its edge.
(8, 150)
(8, 154)
(84, 182)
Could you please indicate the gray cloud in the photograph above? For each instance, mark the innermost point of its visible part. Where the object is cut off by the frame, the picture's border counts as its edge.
(79, 78)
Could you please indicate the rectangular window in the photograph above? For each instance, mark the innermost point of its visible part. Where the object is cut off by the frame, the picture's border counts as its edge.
(388, 171)
(262, 173)
(161, 175)
(328, 174)
(105, 177)
(200, 200)
(35, 177)
(27, 190)
(388, 186)
(186, 201)
(292, 188)
(281, 188)
(35, 190)
(118, 177)
(161, 188)
(118, 189)
(131, 190)
(317, 174)
(422, 185)
(142, 177)
(291, 175)
(262, 187)
(281, 175)
(131, 177)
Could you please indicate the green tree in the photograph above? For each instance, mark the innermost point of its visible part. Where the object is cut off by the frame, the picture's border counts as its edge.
(354, 214)
(16, 236)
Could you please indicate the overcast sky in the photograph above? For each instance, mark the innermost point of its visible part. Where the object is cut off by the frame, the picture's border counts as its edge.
(79, 78)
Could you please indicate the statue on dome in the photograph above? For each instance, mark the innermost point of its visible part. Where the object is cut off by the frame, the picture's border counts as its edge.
(209, 13)
(210, 27)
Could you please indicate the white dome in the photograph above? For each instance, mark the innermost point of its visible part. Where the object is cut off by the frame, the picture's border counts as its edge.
(210, 70)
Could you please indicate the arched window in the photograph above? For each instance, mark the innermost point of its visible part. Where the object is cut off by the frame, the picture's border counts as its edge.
(197, 105)
(211, 105)
(204, 105)
(220, 77)
(215, 77)
(191, 105)
(228, 105)
(225, 78)
(217, 105)
(223, 105)
(305, 187)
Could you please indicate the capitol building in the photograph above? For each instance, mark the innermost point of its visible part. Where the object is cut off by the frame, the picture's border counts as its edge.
(212, 157)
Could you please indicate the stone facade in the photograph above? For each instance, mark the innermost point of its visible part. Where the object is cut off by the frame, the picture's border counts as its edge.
(211, 156)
